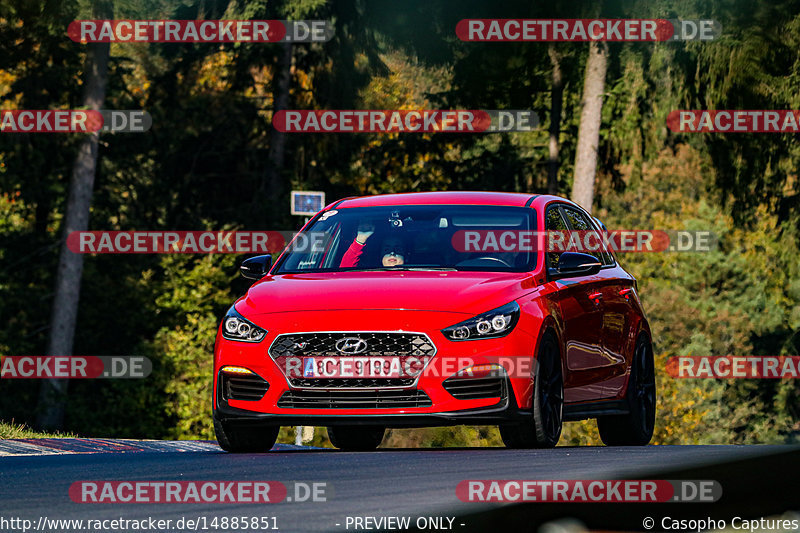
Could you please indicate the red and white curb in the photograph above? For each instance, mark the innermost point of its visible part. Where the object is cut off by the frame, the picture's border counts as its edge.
(71, 446)
(11, 447)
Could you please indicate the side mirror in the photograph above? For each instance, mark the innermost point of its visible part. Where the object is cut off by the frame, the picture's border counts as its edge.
(256, 267)
(573, 265)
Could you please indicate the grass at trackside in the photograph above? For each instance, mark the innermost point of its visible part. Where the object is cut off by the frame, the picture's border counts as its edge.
(12, 430)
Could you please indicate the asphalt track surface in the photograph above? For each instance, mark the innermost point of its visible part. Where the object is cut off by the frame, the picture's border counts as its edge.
(412, 482)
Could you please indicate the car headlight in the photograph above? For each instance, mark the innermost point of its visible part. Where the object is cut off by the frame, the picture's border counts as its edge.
(495, 323)
(236, 328)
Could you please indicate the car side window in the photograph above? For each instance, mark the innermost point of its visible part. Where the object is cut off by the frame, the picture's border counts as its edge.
(554, 222)
(608, 257)
(579, 222)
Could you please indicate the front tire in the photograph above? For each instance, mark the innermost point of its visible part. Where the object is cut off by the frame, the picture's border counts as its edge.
(356, 438)
(635, 428)
(548, 403)
(245, 439)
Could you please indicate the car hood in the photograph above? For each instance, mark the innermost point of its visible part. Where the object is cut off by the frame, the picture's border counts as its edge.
(464, 292)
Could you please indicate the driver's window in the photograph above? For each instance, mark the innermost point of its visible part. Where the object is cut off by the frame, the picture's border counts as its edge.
(579, 222)
(554, 222)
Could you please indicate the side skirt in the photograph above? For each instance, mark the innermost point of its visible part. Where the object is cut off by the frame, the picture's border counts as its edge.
(583, 411)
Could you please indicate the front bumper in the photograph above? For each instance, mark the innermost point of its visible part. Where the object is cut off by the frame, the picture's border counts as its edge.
(506, 411)
(443, 409)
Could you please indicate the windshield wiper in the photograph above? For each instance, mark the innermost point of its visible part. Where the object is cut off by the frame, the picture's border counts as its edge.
(403, 269)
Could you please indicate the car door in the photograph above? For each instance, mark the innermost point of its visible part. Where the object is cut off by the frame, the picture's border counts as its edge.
(618, 312)
(613, 309)
(580, 304)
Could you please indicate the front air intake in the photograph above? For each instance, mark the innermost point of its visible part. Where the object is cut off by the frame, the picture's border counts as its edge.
(475, 388)
(247, 387)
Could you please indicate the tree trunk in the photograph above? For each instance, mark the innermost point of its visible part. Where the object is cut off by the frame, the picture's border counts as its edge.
(556, 97)
(53, 392)
(277, 139)
(589, 129)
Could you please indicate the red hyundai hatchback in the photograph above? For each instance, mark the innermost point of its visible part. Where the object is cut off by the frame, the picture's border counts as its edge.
(425, 309)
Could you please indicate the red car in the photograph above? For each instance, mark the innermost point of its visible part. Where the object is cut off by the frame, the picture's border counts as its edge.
(431, 309)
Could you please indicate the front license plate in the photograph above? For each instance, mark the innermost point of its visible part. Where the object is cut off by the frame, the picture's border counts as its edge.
(353, 367)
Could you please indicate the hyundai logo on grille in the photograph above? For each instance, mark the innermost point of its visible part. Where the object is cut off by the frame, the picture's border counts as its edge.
(351, 345)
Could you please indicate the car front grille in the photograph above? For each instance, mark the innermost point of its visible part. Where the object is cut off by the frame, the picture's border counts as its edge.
(354, 399)
(405, 346)
(468, 388)
(365, 383)
(249, 387)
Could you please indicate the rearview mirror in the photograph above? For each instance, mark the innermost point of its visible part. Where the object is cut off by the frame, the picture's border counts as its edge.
(573, 265)
(256, 267)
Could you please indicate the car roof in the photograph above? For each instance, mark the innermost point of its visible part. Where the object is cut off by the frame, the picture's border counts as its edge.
(446, 198)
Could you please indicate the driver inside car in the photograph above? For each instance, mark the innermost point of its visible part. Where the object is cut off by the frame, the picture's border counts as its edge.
(393, 252)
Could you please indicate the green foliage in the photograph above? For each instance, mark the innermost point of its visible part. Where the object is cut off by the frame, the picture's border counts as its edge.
(12, 430)
(736, 300)
(192, 291)
(449, 436)
(186, 297)
(204, 165)
(189, 389)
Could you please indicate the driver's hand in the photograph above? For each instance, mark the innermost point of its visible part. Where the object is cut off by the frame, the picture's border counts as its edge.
(365, 230)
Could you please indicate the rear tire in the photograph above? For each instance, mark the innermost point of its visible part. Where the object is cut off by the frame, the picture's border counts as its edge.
(636, 428)
(245, 439)
(356, 438)
(548, 403)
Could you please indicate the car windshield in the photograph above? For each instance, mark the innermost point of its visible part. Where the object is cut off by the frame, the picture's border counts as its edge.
(426, 237)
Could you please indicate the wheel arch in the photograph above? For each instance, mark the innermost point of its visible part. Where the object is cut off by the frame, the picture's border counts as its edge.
(641, 329)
